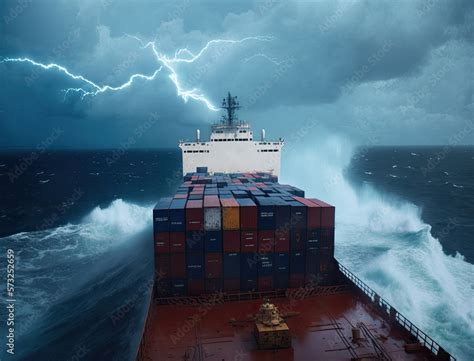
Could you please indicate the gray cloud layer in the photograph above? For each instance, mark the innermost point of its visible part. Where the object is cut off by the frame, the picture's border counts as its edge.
(380, 72)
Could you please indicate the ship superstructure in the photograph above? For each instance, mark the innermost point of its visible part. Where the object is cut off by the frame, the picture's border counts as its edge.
(232, 147)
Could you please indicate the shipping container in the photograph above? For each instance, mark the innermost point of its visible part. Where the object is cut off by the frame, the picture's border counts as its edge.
(195, 197)
(195, 287)
(248, 265)
(282, 241)
(213, 241)
(213, 285)
(248, 214)
(327, 213)
(313, 212)
(314, 238)
(248, 241)
(195, 241)
(266, 241)
(265, 265)
(161, 216)
(266, 213)
(178, 287)
(327, 237)
(298, 215)
(298, 238)
(232, 285)
(231, 241)
(282, 214)
(162, 242)
(163, 288)
(195, 265)
(297, 280)
(265, 283)
(177, 265)
(162, 266)
(230, 214)
(181, 196)
(194, 215)
(212, 213)
(282, 263)
(213, 265)
(177, 242)
(297, 262)
(281, 281)
(248, 284)
(231, 263)
(312, 261)
(177, 216)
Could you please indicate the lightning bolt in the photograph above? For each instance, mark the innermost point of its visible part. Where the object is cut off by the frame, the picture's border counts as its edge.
(274, 61)
(182, 55)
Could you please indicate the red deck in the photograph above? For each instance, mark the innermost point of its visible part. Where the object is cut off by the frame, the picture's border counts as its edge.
(321, 329)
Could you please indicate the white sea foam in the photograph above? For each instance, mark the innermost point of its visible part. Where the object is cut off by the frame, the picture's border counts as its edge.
(383, 240)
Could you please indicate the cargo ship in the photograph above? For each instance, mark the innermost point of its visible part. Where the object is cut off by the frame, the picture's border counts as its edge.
(245, 267)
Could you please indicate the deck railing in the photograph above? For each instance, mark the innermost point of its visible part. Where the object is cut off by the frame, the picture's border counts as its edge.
(397, 317)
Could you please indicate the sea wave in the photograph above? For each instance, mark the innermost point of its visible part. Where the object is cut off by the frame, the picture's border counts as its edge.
(384, 241)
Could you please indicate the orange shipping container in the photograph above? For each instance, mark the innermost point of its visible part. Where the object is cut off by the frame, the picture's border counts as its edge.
(230, 214)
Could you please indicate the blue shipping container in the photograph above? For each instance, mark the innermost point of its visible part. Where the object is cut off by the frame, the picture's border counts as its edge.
(248, 265)
(297, 262)
(281, 281)
(160, 215)
(248, 283)
(266, 213)
(176, 214)
(282, 263)
(195, 265)
(231, 265)
(265, 265)
(213, 241)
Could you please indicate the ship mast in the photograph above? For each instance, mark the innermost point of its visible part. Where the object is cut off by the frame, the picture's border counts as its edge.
(231, 105)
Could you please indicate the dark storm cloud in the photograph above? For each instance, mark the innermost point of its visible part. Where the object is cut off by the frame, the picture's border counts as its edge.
(387, 59)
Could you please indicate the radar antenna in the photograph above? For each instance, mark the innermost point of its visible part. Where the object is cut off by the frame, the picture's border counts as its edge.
(231, 105)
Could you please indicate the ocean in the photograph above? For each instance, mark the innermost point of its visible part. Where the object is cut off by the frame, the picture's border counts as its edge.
(79, 224)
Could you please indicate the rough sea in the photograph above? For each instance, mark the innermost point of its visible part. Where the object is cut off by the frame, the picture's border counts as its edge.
(79, 224)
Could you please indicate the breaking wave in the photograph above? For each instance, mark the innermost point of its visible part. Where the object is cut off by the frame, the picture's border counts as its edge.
(78, 267)
(384, 241)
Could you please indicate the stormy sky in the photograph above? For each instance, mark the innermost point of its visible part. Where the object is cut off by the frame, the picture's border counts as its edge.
(375, 72)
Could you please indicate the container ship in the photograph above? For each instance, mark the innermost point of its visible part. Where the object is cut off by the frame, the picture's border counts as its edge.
(245, 267)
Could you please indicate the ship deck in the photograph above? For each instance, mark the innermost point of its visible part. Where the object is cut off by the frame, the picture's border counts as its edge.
(321, 329)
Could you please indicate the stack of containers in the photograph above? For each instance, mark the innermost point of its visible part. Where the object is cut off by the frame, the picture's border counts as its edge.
(240, 233)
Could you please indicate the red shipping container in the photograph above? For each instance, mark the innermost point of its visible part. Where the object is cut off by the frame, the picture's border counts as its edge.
(195, 287)
(162, 242)
(248, 217)
(177, 265)
(213, 265)
(313, 212)
(194, 215)
(282, 241)
(248, 241)
(180, 196)
(296, 280)
(266, 241)
(265, 283)
(327, 213)
(162, 266)
(232, 285)
(213, 285)
(177, 240)
(231, 241)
